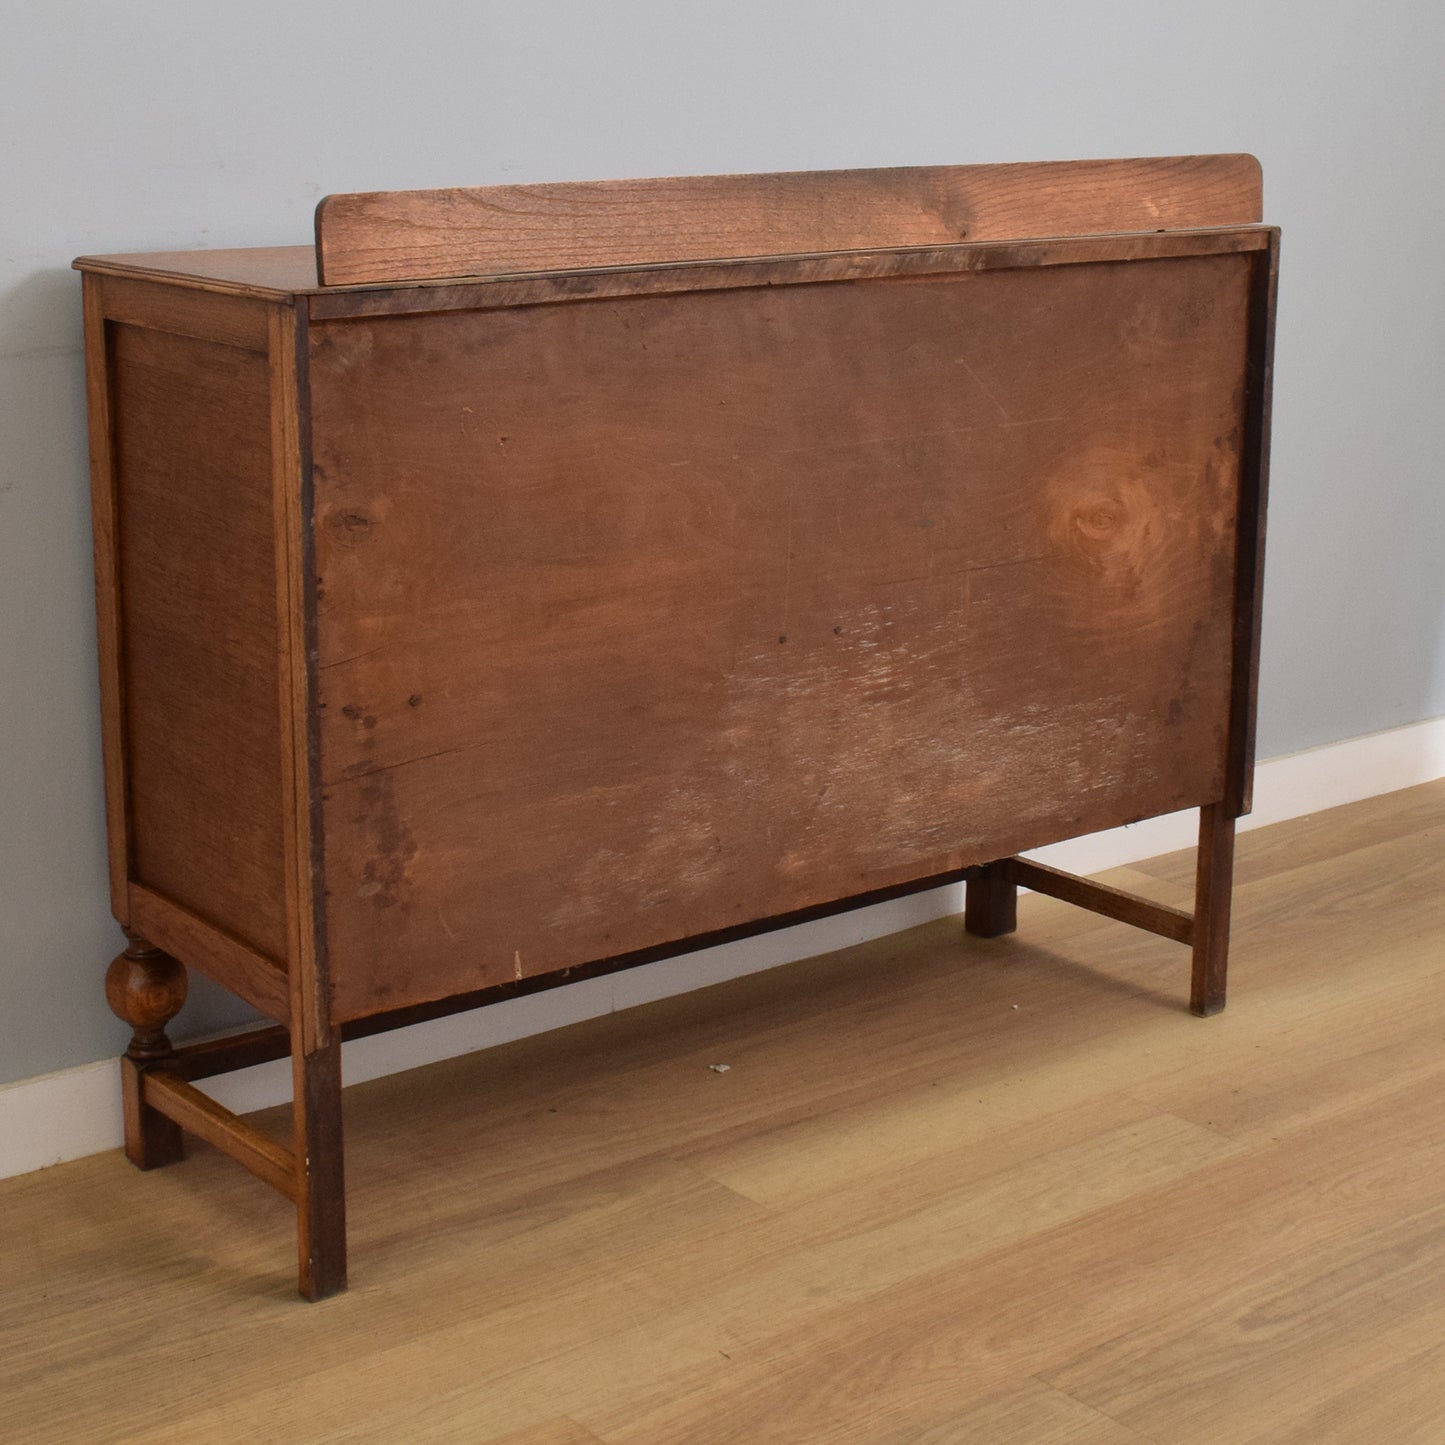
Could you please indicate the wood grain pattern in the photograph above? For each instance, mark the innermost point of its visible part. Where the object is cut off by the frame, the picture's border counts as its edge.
(148, 302)
(391, 236)
(564, 1254)
(197, 595)
(554, 1432)
(632, 629)
(1030, 1413)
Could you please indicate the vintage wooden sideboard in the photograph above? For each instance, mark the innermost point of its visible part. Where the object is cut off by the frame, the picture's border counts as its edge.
(530, 581)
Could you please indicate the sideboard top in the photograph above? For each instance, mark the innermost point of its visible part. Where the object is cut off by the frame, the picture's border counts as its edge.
(269, 271)
(411, 238)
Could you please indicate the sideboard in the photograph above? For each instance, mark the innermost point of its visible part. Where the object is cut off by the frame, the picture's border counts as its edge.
(529, 581)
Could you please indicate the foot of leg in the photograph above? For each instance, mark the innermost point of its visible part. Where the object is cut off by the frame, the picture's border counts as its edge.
(321, 1179)
(1214, 883)
(151, 1140)
(990, 903)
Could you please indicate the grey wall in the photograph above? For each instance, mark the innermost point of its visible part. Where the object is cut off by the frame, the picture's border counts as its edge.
(154, 125)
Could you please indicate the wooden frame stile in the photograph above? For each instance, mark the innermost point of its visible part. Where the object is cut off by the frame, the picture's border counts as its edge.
(1214, 885)
(315, 1043)
(107, 589)
(991, 907)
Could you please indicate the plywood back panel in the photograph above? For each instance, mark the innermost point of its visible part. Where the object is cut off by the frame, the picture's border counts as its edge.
(388, 236)
(646, 617)
(198, 628)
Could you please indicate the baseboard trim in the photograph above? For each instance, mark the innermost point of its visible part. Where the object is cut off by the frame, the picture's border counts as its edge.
(75, 1112)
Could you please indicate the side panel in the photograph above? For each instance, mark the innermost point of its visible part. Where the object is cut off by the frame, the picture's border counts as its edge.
(1253, 500)
(198, 629)
(645, 617)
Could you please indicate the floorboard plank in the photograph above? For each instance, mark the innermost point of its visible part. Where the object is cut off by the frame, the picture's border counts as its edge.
(948, 1189)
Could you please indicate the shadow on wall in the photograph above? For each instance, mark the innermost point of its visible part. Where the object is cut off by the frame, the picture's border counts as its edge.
(41, 316)
(1437, 675)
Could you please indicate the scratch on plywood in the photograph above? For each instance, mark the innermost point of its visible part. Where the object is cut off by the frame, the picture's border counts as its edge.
(983, 386)
(369, 769)
(355, 657)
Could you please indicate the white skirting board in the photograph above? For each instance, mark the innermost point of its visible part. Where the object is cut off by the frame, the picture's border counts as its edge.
(66, 1115)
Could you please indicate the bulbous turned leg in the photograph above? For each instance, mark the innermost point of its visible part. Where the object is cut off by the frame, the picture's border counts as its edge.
(146, 988)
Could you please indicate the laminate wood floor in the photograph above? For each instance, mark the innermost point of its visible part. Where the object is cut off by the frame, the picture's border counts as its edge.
(949, 1190)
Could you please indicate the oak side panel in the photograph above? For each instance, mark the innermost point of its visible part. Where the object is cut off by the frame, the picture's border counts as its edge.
(644, 618)
(199, 631)
(388, 236)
